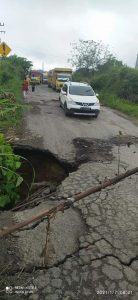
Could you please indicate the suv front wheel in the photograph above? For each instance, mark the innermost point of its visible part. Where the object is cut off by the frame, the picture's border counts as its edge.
(96, 116)
(60, 102)
(66, 109)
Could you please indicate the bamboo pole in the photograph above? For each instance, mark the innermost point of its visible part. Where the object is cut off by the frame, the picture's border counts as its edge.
(66, 204)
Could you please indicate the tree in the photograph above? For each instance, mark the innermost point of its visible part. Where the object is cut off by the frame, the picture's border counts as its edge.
(22, 64)
(110, 64)
(13, 70)
(89, 55)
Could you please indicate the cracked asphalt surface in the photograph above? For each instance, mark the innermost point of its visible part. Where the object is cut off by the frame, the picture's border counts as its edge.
(89, 251)
(48, 128)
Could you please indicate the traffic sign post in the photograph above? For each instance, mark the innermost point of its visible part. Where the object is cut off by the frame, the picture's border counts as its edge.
(4, 49)
(2, 31)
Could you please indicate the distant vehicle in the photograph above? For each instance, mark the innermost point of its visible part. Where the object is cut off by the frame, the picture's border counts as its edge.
(58, 76)
(50, 74)
(35, 77)
(45, 77)
(79, 99)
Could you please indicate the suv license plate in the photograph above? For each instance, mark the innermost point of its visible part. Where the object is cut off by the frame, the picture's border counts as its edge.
(85, 108)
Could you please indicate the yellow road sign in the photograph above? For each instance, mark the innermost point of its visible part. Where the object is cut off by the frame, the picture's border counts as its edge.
(4, 49)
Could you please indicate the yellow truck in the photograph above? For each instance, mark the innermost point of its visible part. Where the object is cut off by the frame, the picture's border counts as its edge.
(35, 77)
(59, 76)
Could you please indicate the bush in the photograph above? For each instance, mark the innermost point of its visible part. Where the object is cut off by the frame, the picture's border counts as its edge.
(10, 113)
(125, 106)
(115, 78)
(121, 81)
(13, 69)
(10, 181)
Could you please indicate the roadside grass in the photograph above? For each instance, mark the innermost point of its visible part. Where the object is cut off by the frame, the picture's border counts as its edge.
(10, 120)
(13, 86)
(110, 100)
(12, 72)
(10, 114)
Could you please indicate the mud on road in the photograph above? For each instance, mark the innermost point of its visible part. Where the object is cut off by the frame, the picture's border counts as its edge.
(100, 150)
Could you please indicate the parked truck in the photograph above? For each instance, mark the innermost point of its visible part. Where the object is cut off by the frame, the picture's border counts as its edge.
(45, 77)
(35, 77)
(58, 76)
(49, 78)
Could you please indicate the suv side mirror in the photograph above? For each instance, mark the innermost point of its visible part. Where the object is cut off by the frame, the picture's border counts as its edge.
(97, 95)
(63, 92)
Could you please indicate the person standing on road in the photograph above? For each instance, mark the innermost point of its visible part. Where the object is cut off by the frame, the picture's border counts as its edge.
(33, 87)
(25, 88)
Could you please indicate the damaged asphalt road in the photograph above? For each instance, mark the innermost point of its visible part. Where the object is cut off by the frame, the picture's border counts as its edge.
(90, 251)
(48, 128)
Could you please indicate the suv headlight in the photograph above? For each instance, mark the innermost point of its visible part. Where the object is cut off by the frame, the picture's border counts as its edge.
(96, 102)
(70, 101)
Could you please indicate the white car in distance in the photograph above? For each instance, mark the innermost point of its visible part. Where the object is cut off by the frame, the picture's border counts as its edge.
(77, 98)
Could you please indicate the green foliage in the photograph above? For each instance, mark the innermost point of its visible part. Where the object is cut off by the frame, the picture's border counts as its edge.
(12, 72)
(110, 64)
(125, 106)
(10, 114)
(10, 181)
(116, 81)
(13, 69)
(21, 64)
(121, 81)
(81, 77)
(129, 84)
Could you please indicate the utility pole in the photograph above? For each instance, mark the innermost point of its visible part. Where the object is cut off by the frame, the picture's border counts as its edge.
(42, 65)
(2, 31)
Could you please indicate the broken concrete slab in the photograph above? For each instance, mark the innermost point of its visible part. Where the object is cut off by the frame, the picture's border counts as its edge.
(40, 246)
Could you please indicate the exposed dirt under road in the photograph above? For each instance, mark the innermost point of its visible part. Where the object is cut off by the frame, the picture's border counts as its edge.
(100, 150)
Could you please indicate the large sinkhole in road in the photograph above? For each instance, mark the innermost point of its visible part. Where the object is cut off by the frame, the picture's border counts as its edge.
(39, 169)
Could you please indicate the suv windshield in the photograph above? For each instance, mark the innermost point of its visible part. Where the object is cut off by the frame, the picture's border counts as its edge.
(81, 90)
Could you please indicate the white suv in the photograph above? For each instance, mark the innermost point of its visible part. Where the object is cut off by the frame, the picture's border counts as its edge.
(79, 99)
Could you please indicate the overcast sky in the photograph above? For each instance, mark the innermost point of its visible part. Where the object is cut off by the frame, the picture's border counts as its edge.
(42, 30)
